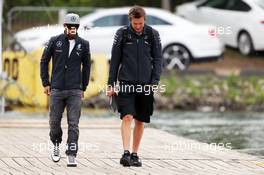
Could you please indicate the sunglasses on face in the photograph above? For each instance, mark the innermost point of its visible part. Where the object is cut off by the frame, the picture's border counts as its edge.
(71, 26)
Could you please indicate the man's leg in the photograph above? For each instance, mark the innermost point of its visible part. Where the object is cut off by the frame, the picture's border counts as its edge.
(144, 109)
(126, 108)
(137, 135)
(73, 106)
(126, 135)
(57, 105)
(126, 131)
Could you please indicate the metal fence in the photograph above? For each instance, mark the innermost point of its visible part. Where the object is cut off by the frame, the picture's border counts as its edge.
(22, 17)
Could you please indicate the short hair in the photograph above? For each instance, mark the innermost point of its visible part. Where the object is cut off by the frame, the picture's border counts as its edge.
(136, 12)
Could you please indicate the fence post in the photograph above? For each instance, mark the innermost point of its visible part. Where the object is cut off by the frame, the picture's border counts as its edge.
(62, 13)
(166, 5)
(1, 54)
(2, 105)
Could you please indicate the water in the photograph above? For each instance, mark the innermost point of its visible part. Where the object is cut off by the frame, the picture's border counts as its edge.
(243, 131)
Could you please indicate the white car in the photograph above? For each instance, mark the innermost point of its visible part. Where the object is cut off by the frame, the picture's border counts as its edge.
(239, 23)
(182, 41)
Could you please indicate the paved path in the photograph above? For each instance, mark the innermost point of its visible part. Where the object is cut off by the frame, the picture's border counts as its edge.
(24, 149)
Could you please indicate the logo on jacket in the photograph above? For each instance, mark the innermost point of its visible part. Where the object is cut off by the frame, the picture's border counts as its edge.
(58, 43)
(79, 47)
(115, 38)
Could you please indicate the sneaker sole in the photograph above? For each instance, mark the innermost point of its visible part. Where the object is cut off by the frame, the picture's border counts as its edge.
(125, 163)
(55, 160)
(71, 165)
(136, 165)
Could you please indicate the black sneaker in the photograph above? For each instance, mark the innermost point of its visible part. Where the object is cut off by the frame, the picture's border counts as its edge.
(125, 159)
(135, 160)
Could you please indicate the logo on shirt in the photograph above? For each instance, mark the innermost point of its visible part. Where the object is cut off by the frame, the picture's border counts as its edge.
(58, 43)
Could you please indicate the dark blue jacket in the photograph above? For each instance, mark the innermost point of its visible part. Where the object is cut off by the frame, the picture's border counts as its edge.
(136, 58)
(68, 72)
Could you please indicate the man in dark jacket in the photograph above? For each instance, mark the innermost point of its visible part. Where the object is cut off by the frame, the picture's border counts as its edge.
(136, 62)
(69, 78)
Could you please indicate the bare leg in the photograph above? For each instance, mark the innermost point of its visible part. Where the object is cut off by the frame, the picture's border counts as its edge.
(126, 131)
(137, 135)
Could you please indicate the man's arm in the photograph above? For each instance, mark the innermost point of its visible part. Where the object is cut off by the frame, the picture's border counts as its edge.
(115, 58)
(86, 66)
(157, 58)
(44, 63)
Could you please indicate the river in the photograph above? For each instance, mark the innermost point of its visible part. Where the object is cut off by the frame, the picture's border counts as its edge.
(243, 131)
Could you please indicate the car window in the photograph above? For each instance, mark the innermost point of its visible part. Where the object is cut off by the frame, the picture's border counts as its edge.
(260, 3)
(219, 4)
(107, 21)
(153, 20)
(237, 5)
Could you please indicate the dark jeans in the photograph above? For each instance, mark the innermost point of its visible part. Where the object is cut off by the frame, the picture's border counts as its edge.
(72, 100)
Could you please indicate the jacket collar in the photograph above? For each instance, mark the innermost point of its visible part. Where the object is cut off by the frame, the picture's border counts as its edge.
(78, 43)
(133, 31)
(77, 39)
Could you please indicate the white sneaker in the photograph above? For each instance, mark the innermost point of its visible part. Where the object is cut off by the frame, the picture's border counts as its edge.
(71, 161)
(55, 155)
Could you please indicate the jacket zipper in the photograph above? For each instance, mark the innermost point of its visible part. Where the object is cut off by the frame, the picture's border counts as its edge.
(137, 62)
(66, 66)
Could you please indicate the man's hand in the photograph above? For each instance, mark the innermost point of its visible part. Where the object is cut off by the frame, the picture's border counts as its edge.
(47, 90)
(110, 92)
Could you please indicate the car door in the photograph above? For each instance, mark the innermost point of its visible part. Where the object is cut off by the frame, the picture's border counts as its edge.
(232, 19)
(102, 33)
(161, 25)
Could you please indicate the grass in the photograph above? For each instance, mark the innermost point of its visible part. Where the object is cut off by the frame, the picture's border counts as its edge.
(241, 91)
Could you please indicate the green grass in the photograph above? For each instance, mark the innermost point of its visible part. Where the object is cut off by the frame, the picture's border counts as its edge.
(233, 89)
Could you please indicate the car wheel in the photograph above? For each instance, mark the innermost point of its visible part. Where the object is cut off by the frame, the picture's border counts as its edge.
(176, 56)
(245, 44)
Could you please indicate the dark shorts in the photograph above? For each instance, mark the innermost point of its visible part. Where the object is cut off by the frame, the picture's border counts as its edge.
(140, 105)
